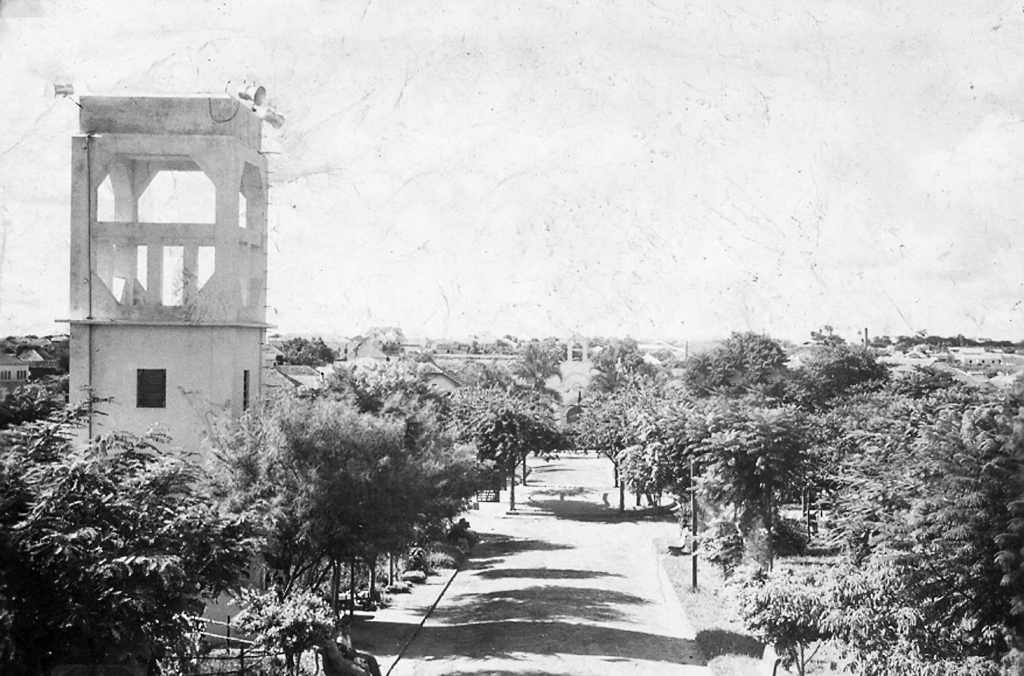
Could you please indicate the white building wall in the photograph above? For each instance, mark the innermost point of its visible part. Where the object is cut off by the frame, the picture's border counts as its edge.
(204, 364)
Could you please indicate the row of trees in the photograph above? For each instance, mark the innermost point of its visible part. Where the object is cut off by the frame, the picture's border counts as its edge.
(924, 475)
(110, 549)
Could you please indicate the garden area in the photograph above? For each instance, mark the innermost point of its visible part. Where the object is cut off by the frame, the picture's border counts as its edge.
(852, 521)
(314, 506)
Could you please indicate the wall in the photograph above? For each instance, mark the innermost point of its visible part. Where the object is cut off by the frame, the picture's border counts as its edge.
(204, 375)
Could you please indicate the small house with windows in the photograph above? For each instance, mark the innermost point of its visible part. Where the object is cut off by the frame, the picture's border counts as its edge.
(974, 358)
(13, 373)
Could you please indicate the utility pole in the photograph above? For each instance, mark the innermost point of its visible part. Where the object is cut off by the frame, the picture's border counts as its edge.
(693, 528)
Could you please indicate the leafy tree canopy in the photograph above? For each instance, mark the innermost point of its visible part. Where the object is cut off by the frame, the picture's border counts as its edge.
(832, 371)
(330, 482)
(305, 352)
(744, 363)
(106, 549)
(536, 362)
(34, 401)
(620, 364)
(506, 425)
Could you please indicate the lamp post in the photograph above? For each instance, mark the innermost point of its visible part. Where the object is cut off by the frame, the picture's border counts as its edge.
(693, 527)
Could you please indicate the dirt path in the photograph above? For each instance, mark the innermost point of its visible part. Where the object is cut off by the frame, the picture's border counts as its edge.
(565, 587)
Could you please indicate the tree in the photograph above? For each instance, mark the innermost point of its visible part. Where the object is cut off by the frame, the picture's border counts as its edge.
(789, 612)
(388, 338)
(537, 362)
(331, 483)
(745, 363)
(289, 626)
(380, 387)
(750, 456)
(668, 435)
(831, 372)
(487, 376)
(106, 550)
(923, 381)
(930, 491)
(301, 351)
(506, 426)
(620, 364)
(604, 426)
(826, 336)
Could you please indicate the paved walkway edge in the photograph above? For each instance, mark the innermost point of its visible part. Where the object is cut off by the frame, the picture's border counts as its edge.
(419, 626)
(675, 606)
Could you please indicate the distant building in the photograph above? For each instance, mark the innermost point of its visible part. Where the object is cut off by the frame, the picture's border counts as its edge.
(13, 373)
(574, 376)
(40, 363)
(438, 379)
(362, 347)
(975, 357)
(304, 377)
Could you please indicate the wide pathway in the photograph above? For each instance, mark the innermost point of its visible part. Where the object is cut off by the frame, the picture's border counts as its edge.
(565, 587)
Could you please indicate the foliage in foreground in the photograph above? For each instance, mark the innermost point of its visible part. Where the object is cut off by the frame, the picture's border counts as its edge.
(330, 483)
(291, 626)
(106, 549)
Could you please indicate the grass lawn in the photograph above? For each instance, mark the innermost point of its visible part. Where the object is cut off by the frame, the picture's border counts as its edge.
(729, 648)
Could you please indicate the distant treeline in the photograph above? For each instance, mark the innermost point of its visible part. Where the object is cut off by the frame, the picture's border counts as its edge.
(905, 342)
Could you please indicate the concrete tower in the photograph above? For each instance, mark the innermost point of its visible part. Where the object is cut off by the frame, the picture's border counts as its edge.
(168, 262)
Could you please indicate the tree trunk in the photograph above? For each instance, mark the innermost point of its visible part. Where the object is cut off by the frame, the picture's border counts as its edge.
(524, 470)
(622, 496)
(372, 563)
(352, 587)
(512, 488)
(335, 586)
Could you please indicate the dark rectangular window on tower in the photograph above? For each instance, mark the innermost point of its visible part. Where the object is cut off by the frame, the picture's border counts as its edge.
(245, 390)
(151, 388)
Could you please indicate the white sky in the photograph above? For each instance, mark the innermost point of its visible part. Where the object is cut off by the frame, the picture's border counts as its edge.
(644, 167)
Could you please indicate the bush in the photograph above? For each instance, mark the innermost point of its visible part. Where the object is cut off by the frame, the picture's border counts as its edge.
(790, 612)
(722, 545)
(789, 538)
(398, 588)
(414, 576)
(439, 560)
(291, 626)
(448, 549)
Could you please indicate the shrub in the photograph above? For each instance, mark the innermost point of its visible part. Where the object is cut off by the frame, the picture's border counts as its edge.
(722, 545)
(789, 538)
(398, 588)
(414, 576)
(291, 626)
(449, 550)
(438, 560)
(790, 612)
